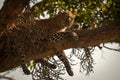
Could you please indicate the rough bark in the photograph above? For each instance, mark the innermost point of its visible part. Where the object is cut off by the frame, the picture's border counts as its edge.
(84, 38)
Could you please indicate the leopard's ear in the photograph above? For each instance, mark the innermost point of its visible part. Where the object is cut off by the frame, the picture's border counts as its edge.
(73, 12)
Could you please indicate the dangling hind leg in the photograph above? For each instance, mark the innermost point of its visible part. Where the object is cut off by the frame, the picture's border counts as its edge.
(23, 65)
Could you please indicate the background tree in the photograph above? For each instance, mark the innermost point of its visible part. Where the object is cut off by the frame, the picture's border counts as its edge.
(96, 22)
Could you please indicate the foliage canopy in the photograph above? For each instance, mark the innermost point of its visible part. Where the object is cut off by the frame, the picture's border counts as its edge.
(91, 13)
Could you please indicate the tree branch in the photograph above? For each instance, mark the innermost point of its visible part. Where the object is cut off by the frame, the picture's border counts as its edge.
(9, 58)
(111, 48)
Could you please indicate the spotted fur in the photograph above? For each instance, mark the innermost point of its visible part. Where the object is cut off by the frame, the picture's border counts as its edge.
(55, 24)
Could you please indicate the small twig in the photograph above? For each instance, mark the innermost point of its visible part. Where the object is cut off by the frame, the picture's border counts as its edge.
(111, 48)
(4, 77)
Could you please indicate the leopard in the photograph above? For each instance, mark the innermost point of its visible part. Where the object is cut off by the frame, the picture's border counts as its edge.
(45, 27)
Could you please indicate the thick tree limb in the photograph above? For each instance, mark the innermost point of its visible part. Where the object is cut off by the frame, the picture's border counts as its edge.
(10, 11)
(10, 59)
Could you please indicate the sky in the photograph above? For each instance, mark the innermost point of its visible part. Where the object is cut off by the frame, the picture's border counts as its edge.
(107, 66)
